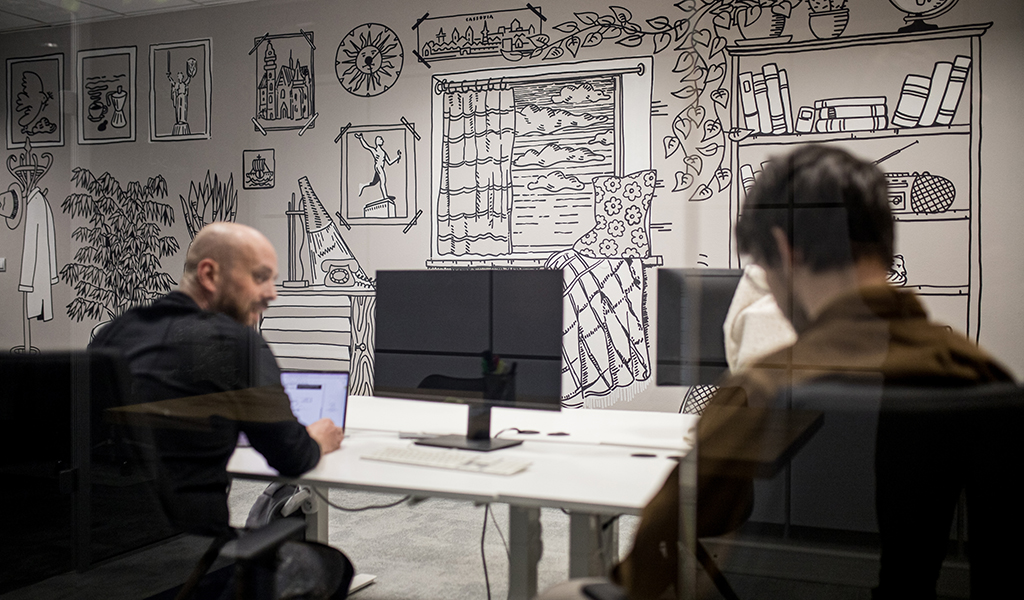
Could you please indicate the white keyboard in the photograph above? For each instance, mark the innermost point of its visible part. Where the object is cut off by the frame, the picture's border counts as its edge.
(460, 460)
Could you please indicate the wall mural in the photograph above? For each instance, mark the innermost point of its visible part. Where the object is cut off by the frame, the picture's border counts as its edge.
(118, 264)
(208, 202)
(369, 60)
(378, 175)
(106, 95)
(258, 169)
(545, 162)
(285, 82)
(35, 105)
(180, 83)
(512, 34)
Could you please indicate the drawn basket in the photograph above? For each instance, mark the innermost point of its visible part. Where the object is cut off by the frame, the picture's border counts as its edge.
(931, 194)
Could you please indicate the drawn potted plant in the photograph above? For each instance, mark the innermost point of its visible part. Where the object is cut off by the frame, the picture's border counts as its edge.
(212, 200)
(118, 265)
(761, 19)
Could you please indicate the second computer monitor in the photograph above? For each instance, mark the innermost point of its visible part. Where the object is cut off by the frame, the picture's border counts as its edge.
(440, 322)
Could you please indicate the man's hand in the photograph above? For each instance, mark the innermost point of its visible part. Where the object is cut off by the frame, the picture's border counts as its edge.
(326, 434)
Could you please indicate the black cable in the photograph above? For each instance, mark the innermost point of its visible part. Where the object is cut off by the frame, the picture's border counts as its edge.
(483, 556)
(361, 508)
(502, 536)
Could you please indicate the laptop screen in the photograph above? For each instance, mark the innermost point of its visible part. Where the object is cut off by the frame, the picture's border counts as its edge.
(315, 395)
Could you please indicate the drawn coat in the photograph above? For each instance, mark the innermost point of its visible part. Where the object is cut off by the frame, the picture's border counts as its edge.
(39, 258)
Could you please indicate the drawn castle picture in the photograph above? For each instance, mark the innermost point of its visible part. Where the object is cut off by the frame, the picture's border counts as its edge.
(284, 92)
(285, 83)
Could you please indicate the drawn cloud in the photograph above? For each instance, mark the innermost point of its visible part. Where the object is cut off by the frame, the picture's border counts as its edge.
(553, 153)
(556, 181)
(581, 93)
(531, 119)
(605, 138)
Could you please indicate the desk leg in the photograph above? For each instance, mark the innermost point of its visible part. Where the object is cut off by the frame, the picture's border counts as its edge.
(593, 544)
(525, 547)
(317, 519)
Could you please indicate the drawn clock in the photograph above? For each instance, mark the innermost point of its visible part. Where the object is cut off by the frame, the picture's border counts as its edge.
(369, 60)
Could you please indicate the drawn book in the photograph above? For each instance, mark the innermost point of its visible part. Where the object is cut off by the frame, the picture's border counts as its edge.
(846, 112)
(940, 79)
(850, 101)
(787, 104)
(911, 102)
(850, 124)
(747, 101)
(761, 100)
(951, 99)
(776, 113)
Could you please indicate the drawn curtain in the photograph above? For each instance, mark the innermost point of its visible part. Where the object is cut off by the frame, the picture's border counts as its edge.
(474, 205)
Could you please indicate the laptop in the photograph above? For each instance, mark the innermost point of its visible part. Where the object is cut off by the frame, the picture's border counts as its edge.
(315, 395)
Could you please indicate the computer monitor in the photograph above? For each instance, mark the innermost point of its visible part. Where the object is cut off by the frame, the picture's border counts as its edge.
(316, 395)
(692, 304)
(433, 328)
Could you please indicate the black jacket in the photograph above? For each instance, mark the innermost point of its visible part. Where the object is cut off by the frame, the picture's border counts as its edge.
(198, 379)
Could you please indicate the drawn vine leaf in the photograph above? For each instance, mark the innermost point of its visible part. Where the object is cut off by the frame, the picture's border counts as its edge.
(683, 181)
(622, 14)
(662, 41)
(631, 41)
(589, 18)
(572, 44)
(554, 52)
(659, 23)
(592, 39)
(567, 27)
(687, 6)
(671, 145)
(681, 28)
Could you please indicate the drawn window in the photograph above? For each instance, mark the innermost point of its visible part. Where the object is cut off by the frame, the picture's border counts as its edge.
(516, 152)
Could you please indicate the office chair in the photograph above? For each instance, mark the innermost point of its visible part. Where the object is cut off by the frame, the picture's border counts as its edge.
(892, 461)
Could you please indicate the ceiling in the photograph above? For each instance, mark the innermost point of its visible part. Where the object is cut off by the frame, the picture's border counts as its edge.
(32, 14)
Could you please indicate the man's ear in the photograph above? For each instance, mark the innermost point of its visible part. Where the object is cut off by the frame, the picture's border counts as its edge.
(208, 275)
(783, 248)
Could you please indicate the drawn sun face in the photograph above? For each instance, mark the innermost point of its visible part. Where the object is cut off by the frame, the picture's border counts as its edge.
(369, 60)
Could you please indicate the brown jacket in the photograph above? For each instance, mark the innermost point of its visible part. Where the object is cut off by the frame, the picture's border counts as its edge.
(879, 333)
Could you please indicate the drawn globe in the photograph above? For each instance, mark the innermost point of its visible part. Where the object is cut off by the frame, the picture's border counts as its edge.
(919, 10)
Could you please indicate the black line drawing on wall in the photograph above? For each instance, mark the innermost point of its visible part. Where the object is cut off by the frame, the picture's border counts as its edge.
(209, 201)
(920, 115)
(323, 316)
(258, 169)
(285, 82)
(106, 95)
(180, 92)
(510, 33)
(560, 177)
(369, 60)
(35, 103)
(28, 203)
(117, 265)
(378, 175)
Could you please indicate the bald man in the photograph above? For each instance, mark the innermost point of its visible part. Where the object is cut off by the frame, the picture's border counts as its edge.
(197, 361)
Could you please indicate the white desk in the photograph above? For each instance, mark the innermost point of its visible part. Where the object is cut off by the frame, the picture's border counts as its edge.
(589, 472)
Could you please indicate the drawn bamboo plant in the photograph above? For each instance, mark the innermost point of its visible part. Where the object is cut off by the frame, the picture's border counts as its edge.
(698, 36)
(118, 266)
(208, 202)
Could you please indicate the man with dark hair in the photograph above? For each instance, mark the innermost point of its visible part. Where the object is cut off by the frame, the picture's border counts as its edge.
(818, 222)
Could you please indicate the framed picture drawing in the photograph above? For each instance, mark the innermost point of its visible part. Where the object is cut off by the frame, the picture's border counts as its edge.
(35, 101)
(378, 181)
(179, 91)
(106, 95)
(285, 82)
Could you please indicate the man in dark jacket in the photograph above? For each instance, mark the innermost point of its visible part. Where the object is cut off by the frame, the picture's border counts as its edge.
(202, 374)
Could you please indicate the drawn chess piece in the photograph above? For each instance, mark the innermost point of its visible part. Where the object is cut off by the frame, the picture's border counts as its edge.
(381, 162)
(116, 100)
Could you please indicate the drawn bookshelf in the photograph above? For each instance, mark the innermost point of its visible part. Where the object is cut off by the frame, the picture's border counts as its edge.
(941, 249)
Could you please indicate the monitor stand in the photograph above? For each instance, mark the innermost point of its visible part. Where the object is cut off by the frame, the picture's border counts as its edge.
(478, 433)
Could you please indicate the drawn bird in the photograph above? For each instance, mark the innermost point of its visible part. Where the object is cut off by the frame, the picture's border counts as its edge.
(32, 100)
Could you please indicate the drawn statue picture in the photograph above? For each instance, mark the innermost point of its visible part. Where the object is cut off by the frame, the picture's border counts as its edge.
(106, 95)
(179, 98)
(285, 97)
(369, 60)
(377, 181)
(35, 105)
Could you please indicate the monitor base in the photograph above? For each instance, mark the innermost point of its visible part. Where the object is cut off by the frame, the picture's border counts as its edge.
(462, 442)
